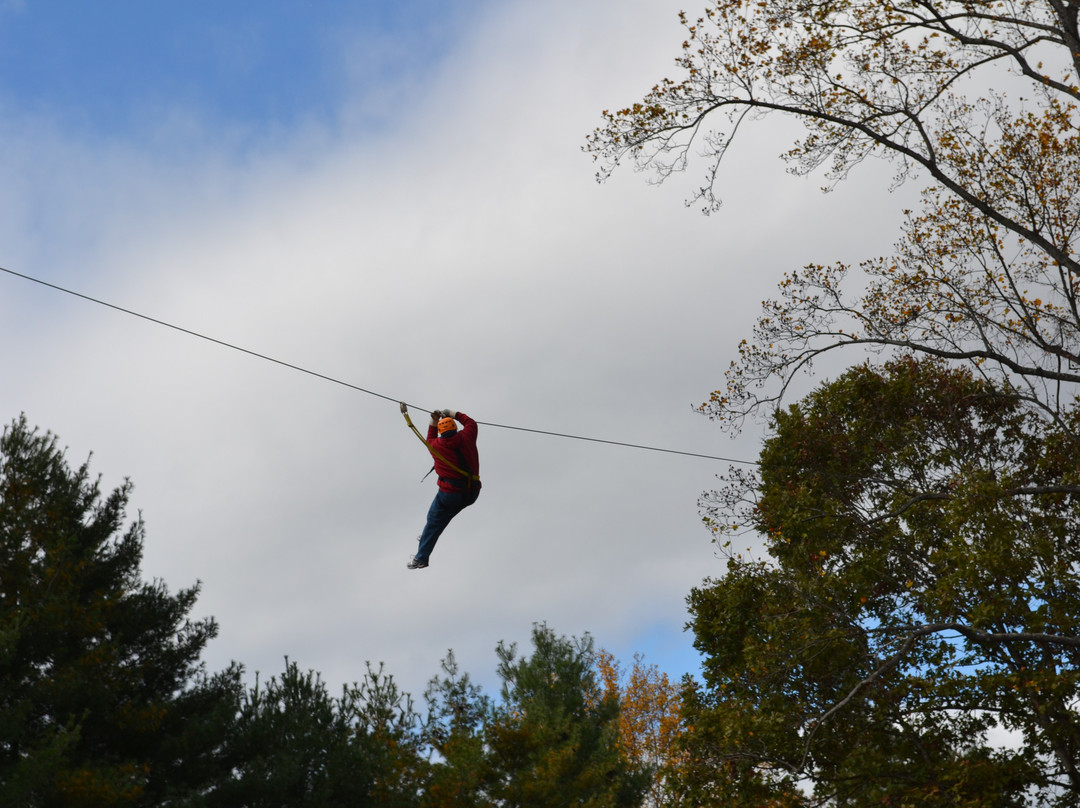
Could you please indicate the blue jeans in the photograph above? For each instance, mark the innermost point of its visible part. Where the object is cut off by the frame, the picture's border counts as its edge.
(444, 507)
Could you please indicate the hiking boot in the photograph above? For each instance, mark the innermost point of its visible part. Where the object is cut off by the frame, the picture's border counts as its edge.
(414, 564)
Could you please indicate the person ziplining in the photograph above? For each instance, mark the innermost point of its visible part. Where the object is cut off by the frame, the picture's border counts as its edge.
(457, 466)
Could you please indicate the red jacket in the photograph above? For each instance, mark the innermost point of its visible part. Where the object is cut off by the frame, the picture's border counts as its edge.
(458, 448)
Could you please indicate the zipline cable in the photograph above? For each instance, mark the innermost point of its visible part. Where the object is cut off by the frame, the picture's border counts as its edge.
(195, 334)
(359, 389)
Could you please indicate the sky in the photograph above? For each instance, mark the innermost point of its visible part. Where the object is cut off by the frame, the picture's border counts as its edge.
(392, 195)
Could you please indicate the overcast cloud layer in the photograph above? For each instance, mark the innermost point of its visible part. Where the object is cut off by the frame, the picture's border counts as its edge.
(416, 218)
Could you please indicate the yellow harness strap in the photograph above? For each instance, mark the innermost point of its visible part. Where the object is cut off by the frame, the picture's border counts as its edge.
(435, 452)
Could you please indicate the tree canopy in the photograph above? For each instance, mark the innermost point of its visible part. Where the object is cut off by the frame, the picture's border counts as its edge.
(295, 744)
(978, 100)
(650, 721)
(920, 596)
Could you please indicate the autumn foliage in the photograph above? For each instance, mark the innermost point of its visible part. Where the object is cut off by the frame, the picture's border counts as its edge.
(650, 720)
(975, 100)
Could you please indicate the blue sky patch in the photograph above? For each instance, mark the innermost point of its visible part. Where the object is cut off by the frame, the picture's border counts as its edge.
(111, 66)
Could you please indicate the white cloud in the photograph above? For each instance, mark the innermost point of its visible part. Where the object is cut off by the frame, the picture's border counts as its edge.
(464, 258)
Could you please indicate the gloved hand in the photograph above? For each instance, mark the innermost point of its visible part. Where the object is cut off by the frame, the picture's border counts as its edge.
(449, 414)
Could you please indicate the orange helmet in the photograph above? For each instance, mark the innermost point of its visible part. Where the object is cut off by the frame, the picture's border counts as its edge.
(447, 425)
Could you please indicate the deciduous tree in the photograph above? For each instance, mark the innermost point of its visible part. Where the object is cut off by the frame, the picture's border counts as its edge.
(920, 595)
(976, 99)
(650, 720)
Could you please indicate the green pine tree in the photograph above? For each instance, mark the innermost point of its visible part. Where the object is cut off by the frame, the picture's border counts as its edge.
(103, 698)
(296, 745)
(554, 738)
(458, 711)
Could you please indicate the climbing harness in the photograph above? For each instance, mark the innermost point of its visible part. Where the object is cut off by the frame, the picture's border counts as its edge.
(470, 478)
